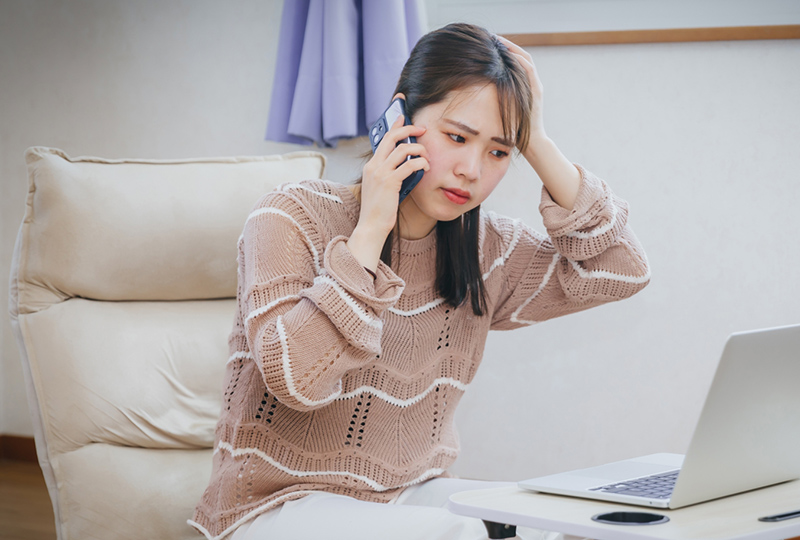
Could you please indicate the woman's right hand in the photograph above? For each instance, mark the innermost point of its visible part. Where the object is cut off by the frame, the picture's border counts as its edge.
(382, 179)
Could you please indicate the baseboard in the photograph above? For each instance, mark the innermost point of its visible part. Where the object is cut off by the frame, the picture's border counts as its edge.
(16, 448)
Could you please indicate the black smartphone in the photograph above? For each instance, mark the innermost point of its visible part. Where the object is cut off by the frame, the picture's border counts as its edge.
(379, 129)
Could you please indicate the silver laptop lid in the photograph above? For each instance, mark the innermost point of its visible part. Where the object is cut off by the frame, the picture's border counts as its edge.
(748, 433)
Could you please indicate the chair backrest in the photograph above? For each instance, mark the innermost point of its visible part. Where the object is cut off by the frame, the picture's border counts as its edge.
(122, 295)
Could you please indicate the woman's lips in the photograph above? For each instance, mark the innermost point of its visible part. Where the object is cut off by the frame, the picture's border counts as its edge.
(456, 195)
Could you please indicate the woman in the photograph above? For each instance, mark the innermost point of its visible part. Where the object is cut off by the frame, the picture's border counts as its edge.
(360, 324)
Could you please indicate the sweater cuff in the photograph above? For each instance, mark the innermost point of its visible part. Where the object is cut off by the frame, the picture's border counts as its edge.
(351, 299)
(593, 224)
(379, 294)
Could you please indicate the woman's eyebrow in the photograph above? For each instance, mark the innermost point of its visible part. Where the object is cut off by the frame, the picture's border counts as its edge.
(464, 127)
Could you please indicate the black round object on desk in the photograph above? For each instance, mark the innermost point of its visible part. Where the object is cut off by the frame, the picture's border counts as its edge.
(630, 518)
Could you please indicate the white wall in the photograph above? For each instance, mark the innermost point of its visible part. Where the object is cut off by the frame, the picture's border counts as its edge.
(700, 138)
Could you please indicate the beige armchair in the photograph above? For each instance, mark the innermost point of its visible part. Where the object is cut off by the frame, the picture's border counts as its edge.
(122, 288)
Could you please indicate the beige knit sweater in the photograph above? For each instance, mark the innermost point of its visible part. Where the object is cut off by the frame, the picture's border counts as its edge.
(339, 383)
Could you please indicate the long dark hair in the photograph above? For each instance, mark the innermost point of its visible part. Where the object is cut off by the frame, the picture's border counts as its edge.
(452, 58)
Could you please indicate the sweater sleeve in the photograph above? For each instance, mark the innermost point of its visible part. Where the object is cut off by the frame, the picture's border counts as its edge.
(589, 257)
(311, 312)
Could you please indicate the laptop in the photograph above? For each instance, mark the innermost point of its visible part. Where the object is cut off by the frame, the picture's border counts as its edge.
(747, 436)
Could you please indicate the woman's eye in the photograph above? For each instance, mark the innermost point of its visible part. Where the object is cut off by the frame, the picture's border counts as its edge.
(499, 153)
(456, 138)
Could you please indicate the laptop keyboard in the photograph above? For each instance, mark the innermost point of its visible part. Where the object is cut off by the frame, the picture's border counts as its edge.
(657, 486)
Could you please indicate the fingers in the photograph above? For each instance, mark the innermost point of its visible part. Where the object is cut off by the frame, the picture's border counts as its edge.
(390, 181)
(411, 166)
(514, 48)
(404, 151)
(518, 52)
(533, 76)
(397, 133)
(526, 61)
(398, 165)
(390, 156)
(390, 164)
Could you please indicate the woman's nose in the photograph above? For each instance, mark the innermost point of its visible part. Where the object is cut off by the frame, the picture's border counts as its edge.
(469, 166)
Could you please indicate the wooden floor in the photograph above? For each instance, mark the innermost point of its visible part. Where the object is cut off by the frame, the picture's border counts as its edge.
(25, 511)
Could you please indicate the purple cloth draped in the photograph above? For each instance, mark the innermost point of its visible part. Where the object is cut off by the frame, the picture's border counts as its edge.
(338, 64)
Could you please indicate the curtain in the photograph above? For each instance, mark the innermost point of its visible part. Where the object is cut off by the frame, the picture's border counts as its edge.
(338, 64)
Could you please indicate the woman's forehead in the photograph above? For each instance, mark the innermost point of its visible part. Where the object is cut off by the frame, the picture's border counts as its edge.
(477, 107)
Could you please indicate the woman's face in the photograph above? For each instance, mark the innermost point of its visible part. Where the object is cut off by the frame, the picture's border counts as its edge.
(467, 153)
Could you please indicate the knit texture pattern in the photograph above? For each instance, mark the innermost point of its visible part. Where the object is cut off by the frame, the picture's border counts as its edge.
(340, 383)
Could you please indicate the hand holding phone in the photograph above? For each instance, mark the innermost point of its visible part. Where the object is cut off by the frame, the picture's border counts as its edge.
(395, 168)
(382, 126)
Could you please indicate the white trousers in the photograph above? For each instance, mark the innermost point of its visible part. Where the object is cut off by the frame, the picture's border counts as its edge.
(418, 513)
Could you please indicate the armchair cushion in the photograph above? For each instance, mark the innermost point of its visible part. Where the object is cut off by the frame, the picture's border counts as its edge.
(122, 297)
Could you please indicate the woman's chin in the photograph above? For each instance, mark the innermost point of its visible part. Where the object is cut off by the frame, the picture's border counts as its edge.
(450, 214)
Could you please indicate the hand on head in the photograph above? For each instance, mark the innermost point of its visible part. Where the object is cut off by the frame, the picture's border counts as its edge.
(526, 61)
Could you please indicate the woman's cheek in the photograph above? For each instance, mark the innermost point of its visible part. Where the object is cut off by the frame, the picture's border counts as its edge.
(427, 178)
(490, 185)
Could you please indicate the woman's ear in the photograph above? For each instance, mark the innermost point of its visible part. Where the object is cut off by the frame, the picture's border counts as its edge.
(399, 95)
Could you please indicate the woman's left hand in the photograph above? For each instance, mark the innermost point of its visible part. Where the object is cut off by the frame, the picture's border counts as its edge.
(525, 60)
(561, 178)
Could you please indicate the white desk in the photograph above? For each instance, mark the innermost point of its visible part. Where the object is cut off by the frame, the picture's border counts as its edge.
(730, 518)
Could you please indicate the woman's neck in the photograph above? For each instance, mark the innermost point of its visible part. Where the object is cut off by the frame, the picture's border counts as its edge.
(414, 224)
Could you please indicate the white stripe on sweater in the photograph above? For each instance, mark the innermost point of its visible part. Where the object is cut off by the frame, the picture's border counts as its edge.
(240, 354)
(262, 211)
(455, 383)
(287, 371)
(550, 269)
(500, 261)
(417, 311)
(301, 474)
(264, 309)
(351, 302)
(287, 187)
(605, 274)
(599, 230)
(334, 198)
